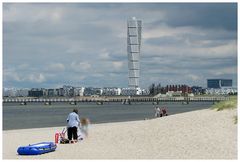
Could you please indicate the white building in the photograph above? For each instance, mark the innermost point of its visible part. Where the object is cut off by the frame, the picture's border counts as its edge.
(221, 91)
(79, 91)
(13, 92)
(22, 92)
(10, 92)
(134, 30)
(131, 91)
(111, 91)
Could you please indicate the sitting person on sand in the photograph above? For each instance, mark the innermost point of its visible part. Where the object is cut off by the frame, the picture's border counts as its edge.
(72, 125)
(163, 112)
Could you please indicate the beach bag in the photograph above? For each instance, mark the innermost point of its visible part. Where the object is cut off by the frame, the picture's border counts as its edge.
(60, 136)
(64, 141)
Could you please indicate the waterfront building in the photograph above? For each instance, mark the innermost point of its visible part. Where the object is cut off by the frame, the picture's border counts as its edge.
(218, 83)
(134, 30)
(131, 91)
(221, 91)
(78, 91)
(174, 93)
(36, 92)
(145, 92)
(68, 91)
(50, 93)
(111, 91)
(197, 90)
(13, 92)
(61, 92)
(22, 92)
(9, 92)
(89, 91)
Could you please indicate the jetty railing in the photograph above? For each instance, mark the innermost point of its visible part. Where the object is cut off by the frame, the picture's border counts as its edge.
(122, 100)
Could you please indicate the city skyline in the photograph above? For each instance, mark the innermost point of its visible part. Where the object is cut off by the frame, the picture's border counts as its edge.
(49, 45)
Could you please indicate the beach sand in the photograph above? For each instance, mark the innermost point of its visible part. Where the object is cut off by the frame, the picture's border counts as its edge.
(203, 134)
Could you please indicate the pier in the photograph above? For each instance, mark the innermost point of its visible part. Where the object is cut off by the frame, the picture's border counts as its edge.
(100, 101)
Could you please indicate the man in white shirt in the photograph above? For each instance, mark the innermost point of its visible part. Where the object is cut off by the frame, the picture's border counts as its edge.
(72, 125)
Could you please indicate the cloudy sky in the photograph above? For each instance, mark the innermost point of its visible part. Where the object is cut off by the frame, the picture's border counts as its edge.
(50, 44)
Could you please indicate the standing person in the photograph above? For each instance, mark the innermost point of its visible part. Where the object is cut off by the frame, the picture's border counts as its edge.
(72, 125)
(158, 112)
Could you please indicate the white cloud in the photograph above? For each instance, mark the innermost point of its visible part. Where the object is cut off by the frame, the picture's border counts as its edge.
(117, 64)
(75, 47)
(11, 75)
(78, 78)
(31, 13)
(104, 55)
(80, 66)
(14, 75)
(56, 67)
(193, 77)
(36, 78)
(23, 66)
(223, 71)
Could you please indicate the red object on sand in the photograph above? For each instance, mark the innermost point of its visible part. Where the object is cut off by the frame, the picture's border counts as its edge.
(56, 137)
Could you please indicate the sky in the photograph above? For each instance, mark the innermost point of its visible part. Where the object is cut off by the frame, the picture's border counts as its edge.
(48, 45)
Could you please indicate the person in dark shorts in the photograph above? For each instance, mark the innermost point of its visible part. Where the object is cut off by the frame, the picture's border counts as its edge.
(72, 126)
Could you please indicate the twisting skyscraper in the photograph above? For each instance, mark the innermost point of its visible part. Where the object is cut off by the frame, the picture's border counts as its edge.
(133, 48)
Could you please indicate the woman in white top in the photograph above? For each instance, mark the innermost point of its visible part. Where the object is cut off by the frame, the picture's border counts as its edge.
(72, 125)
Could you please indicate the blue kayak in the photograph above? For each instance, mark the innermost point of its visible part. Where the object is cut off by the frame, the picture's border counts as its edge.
(37, 149)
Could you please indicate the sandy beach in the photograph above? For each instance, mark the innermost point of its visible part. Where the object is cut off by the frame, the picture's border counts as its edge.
(203, 134)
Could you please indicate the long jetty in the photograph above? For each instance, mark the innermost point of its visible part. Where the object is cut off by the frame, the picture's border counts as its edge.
(123, 100)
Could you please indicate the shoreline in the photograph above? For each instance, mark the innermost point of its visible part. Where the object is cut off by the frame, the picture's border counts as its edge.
(44, 117)
(107, 122)
(200, 134)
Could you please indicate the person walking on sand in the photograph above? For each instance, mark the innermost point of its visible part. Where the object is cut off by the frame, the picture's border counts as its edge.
(72, 126)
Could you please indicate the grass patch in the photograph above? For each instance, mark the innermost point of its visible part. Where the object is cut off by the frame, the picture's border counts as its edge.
(223, 105)
(226, 105)
(235, 119)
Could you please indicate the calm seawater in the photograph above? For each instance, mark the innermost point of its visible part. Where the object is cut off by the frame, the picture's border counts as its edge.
(38, 115)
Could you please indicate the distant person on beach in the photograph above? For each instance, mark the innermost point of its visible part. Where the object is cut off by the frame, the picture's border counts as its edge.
(72, 125)
(163, 112)
(157, 112)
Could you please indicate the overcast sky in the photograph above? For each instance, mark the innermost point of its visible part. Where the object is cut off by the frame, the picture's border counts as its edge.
(50, 45)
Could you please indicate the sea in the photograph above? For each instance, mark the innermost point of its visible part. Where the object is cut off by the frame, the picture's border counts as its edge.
(38, 115)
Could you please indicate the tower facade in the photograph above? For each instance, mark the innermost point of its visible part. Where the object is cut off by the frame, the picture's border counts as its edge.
(134, 30)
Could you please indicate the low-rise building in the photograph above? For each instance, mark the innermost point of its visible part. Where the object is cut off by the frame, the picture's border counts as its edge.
(89, 91)
(22, 92)
(131, 91)
(111, 91)
(221, 91)
(9, 92)
(37, 92)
